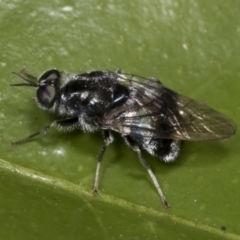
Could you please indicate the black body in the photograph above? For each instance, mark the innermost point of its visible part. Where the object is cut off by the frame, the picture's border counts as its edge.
(143, 111)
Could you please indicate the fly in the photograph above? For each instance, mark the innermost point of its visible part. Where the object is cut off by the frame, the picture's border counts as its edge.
(148, 115)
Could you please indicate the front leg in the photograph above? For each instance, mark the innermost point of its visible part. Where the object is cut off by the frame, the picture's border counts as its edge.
(69, 124)
(108, 139)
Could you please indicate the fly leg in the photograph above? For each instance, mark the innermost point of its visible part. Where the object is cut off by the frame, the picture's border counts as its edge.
(70, 124)
(146, 165)
(108, 139)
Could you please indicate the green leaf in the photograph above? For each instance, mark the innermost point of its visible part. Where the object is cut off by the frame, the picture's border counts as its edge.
(46, 184)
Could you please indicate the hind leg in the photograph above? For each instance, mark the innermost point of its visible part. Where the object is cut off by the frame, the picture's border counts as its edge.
(130, 142)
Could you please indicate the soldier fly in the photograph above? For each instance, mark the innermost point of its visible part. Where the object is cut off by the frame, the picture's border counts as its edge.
(148, 115)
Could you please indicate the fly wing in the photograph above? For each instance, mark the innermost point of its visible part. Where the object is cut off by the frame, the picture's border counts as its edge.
(154, 111)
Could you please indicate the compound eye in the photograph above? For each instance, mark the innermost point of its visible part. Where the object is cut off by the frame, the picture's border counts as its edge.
(46, 96)
(52, 74)
(49, 85)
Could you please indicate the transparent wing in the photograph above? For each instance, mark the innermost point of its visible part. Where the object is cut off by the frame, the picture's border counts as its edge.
(154, 111)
